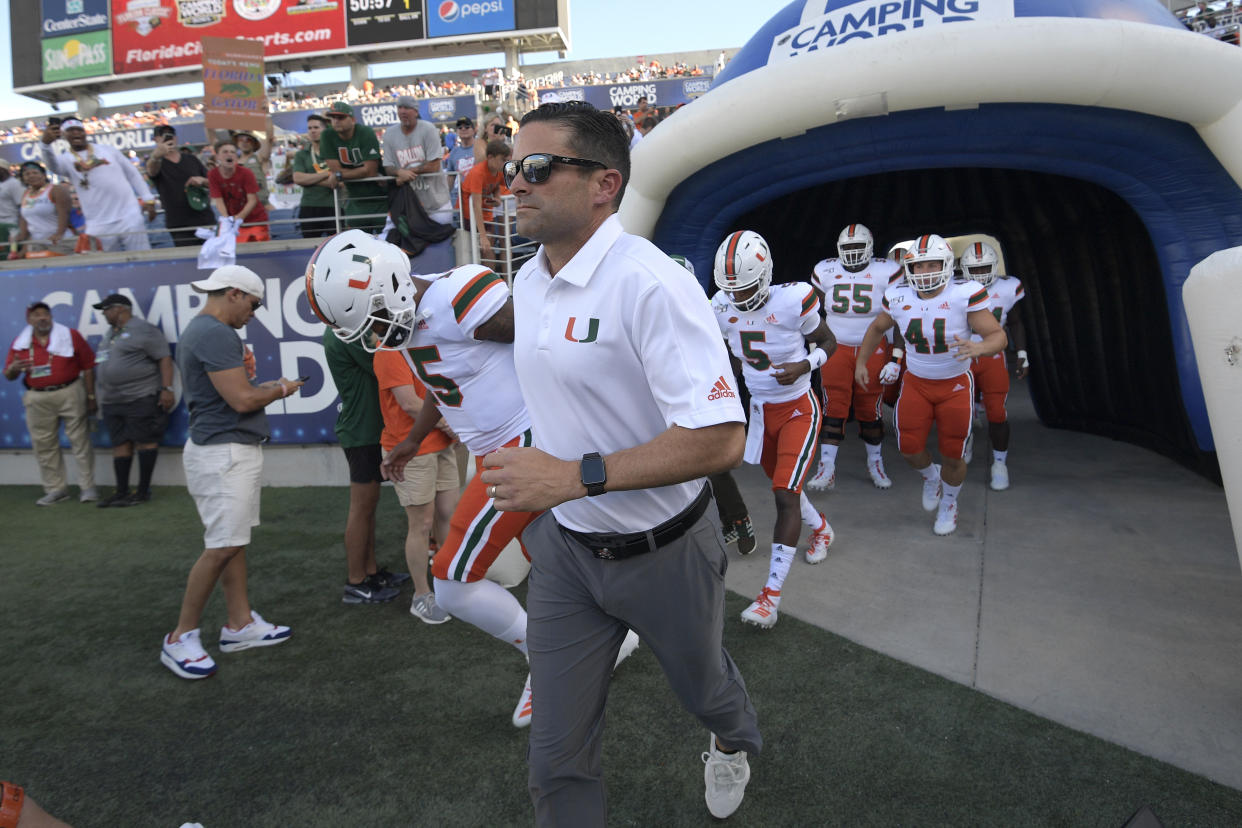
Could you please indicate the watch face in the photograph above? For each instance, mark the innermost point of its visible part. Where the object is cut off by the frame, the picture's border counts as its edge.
(593, 471)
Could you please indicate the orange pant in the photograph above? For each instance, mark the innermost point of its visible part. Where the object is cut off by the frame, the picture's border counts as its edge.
(790, 435)
(478, 532)
(840, 389)
(254, 233)
(949, 403)
(992, 379)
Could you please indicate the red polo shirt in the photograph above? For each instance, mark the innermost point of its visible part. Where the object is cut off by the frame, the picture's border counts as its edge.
(63, 369)
(233, 191)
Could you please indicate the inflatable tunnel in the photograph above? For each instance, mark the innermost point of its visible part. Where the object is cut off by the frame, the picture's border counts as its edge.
(1097, 140)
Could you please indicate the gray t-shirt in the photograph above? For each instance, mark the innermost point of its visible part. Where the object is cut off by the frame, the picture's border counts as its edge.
(11, 192)
(207, 344)
(409, 151)
(127, 362)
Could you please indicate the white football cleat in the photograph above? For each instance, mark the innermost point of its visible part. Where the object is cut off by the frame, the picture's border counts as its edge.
(879, 476)
(628, 646)
(762, 611)
(946, 520)
(931, 491)
(825, 478)
(969, 452)
(1000, 476)
(820, 541)
(521, 713)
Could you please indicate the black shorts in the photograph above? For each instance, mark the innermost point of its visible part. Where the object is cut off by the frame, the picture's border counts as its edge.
(364, 464)
(140, 421)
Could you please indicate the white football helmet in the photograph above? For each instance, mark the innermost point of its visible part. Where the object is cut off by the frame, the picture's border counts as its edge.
(929, 248)
(743, 261)
(854, 256)
(359, 285)
(979, 263)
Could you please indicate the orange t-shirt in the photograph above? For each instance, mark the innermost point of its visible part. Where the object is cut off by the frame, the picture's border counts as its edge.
(393, 371)
(481, 180)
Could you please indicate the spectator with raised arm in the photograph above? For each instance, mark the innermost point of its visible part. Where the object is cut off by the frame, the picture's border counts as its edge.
(181, 180)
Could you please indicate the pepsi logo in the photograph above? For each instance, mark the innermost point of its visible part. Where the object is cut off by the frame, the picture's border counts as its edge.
(449, 11)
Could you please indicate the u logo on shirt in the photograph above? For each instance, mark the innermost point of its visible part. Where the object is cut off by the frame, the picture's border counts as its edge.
(592, 330)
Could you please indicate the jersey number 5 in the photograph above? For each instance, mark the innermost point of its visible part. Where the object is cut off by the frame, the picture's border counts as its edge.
(914, 336)
(841, 295)
(757, 358)
(444, 388)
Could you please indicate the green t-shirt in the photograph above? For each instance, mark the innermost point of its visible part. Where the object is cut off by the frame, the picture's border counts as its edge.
(359, 422)
(355, 152)
(315, 195)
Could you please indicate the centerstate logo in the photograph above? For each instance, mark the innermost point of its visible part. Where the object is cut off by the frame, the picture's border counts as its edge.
(77, 56)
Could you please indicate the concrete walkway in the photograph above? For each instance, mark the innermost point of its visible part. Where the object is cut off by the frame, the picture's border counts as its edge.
(1102, 590)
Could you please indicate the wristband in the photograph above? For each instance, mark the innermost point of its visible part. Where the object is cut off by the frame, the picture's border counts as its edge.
(1022, 356)
(817, 356)
(898, 354)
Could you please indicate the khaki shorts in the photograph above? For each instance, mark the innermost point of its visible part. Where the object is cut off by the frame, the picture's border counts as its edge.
(225, 481)
(425, 475)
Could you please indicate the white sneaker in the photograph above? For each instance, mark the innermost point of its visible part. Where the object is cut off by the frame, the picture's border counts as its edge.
(258, 633)
(425, 609)
(52, 498)
(628, 646)
(931, 491)
(820, 541)
(969, 452)
(825, 478)
(88, 495)
(726, 775)
(521, 713)
(1000, 476)
(186, 656)
(879, 476)
(762, 611)
(946, 520)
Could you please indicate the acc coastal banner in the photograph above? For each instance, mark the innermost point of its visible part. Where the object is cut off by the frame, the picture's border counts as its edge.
(159, 34)
(671, 92)
(284, 334)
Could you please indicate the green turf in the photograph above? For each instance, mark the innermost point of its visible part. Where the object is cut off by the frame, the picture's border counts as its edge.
(368, 717)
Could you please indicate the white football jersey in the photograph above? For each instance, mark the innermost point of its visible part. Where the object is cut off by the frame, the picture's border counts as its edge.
(1003, 294)
(852, 300)
(474, 381)
(771, 335)
(930, 325)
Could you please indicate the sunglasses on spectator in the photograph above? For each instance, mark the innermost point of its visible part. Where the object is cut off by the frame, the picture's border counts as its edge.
(536, 168)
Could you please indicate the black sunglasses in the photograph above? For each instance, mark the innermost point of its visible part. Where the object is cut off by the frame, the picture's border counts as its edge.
(536, 168)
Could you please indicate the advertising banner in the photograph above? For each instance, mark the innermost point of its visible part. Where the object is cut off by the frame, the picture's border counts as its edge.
(379, 116)
(450, 18)
(669, 92)
(284, 334)
(383, 21)
(140, 139)
(234, 92)
(84, 55)
(159, 34)
(71, 17)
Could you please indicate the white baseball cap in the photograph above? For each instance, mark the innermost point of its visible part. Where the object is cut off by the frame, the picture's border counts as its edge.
(231, 276)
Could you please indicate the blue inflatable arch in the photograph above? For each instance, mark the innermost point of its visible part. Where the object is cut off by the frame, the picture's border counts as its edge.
(1099, 141)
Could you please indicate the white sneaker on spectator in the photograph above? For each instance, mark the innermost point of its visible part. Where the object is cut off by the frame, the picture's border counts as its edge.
(88, 495)
(931, 491)
(186, 656)
(1000, 476)
(522, 713)
(946, 519)
(52, 498)
(879, 476)
(628, 646)
(425, 609)
(725, 775)
(258, 633)
(825, 478)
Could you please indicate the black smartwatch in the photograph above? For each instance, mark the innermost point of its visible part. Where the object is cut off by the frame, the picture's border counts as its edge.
(594, 475)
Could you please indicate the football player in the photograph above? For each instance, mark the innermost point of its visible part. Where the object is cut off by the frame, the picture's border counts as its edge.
(979, 263)
(935, 316)
(851, 287)
(767, 329)
(456, 332)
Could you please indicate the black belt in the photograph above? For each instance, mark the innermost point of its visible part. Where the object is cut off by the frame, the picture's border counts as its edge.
(53, 387)
(614, 546)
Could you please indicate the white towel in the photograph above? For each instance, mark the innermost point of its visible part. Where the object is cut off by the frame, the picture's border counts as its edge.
(219, 246)
(59, 341)
(754, 435)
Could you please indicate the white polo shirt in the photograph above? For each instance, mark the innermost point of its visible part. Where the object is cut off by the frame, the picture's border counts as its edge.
(617, 348)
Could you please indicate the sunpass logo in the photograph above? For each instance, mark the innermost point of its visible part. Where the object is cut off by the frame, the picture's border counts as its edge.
(450, 11)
